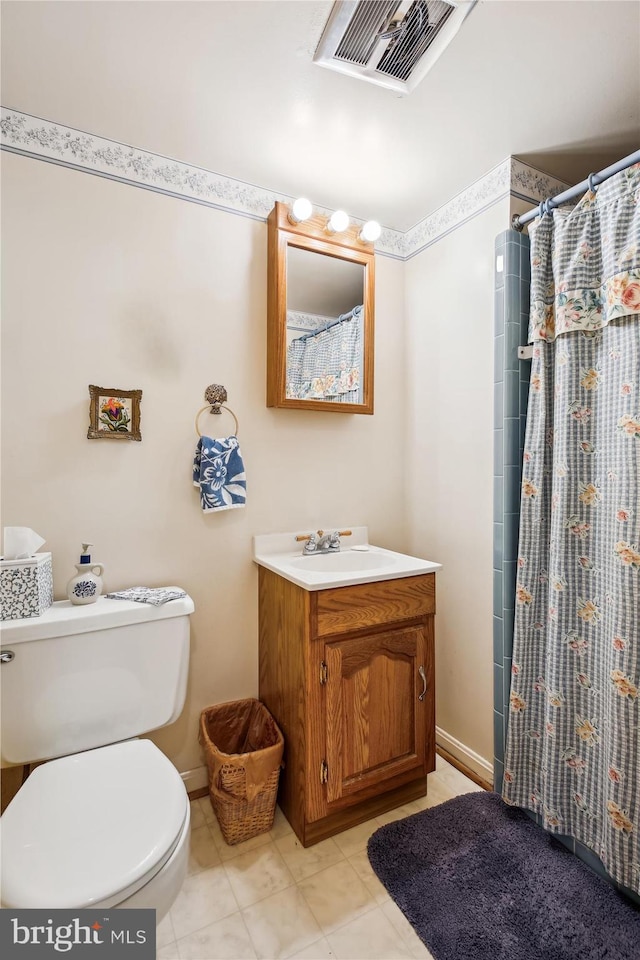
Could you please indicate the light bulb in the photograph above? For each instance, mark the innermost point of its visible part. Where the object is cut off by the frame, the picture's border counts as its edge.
(370, 231)
(301, 209)
(338, 222)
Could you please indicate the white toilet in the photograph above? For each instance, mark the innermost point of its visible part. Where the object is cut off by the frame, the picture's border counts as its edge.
(107, 824)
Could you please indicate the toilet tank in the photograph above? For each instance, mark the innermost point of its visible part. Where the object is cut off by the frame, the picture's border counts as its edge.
(79, 677)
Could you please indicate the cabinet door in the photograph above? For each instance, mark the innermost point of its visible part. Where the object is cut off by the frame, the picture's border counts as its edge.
(376, 721)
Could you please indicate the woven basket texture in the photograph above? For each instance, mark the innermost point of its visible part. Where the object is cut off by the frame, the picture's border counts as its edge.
(243, 747)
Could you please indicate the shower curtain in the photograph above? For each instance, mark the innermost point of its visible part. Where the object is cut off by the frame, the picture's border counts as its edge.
(326, 365)
(573, 742)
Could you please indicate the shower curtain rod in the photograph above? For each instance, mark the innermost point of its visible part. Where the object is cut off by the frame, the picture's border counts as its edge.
(332, 323)
(590, 183)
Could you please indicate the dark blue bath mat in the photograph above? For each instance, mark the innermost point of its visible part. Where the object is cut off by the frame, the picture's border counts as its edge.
(479, 880)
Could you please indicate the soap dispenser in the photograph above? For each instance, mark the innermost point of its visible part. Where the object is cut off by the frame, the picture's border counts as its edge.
(86, 586)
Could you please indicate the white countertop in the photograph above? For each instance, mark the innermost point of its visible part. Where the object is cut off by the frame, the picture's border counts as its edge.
(358, 561)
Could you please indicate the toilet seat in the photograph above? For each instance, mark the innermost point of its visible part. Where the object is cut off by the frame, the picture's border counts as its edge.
(92, 828)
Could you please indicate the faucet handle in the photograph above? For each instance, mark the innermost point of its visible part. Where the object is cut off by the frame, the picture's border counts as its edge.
(333, 540)
(307, 536)
(311, 544)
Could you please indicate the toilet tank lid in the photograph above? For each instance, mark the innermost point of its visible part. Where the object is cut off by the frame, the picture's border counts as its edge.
(63, 618)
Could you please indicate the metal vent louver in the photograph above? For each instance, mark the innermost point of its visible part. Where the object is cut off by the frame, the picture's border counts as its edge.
(392, 43)
(360, 37)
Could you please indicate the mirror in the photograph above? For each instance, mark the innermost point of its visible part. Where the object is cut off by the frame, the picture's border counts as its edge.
(320, 317)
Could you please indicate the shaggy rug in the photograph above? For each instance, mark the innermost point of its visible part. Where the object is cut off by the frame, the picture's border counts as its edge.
(479, 880)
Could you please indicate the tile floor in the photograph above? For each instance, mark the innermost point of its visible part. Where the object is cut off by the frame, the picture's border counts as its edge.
(270, 898)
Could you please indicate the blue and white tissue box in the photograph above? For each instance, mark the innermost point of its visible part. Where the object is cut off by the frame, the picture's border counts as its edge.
(26, 586)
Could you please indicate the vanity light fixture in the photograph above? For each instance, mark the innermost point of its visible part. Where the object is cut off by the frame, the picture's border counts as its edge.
(301, 209)
(338, 222)
(370, 232)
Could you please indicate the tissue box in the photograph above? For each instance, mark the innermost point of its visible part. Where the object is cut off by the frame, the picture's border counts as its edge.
(26, 586)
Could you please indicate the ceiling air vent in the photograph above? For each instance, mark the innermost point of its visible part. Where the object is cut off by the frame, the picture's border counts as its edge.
(392, 43)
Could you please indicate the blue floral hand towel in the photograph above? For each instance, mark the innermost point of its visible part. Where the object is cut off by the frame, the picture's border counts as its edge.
(218, 472)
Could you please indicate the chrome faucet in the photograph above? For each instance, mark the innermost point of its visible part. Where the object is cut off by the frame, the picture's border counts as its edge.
(321, 542)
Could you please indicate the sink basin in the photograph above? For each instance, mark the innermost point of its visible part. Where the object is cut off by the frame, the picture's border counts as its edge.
(356, 562)
(339, 562)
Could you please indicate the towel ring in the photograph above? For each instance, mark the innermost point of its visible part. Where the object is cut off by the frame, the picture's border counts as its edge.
(219, 407)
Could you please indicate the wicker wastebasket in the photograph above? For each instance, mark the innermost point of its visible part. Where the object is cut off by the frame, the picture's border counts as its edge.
(243, 747)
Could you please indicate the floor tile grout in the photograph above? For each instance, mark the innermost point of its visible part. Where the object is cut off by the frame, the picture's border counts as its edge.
(444, 784)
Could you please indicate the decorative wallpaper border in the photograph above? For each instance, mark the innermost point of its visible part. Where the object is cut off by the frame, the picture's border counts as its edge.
(531, 184)
(45, 140)
(472, 200)
(306, 321)
(41, 139)
(512, 176)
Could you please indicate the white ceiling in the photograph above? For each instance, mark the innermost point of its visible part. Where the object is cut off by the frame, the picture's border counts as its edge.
(230, 85)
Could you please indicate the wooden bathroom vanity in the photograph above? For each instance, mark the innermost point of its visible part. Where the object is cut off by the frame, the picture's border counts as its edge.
(348, 674)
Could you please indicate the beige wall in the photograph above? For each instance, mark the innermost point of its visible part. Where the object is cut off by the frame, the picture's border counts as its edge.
(122, 287)
(449, 464)
(108, 284)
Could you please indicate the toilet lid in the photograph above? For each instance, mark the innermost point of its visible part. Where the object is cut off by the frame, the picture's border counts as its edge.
(84, 827)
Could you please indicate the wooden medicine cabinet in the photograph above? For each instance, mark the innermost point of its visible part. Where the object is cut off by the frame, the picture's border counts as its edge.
(320, 319)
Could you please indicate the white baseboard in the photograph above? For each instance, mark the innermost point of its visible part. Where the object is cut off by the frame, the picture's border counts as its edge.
(198, 778)
(195, 779)
(465, 754)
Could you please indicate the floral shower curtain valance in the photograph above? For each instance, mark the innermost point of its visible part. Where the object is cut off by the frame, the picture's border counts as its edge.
(585, 268)
(573, 738)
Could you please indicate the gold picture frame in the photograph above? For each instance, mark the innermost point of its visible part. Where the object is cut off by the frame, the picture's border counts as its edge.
(114, 414)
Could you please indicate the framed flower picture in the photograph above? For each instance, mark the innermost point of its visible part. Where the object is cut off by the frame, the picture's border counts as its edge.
(114, 414)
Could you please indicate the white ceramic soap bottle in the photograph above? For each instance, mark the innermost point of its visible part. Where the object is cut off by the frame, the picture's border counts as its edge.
(86, 586)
